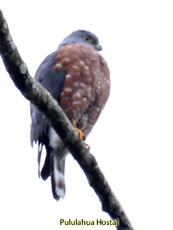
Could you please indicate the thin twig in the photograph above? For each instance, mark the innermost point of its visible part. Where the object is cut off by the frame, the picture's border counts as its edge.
(37, 95)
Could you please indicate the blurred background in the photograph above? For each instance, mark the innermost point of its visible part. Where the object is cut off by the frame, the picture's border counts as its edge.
(133, 139)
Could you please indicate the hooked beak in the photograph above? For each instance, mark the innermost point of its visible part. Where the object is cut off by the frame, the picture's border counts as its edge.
(98, 47)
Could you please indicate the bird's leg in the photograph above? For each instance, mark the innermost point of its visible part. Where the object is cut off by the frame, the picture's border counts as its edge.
(81, 135)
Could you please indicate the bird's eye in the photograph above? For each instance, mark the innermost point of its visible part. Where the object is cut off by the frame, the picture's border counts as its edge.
(88, 39)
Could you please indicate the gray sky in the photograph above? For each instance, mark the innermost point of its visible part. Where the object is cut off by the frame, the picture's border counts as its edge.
(133, 139)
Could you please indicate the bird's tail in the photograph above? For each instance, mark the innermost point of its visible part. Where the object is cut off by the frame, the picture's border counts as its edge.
(57, 175)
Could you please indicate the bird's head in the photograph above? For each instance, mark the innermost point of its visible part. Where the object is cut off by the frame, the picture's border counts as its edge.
(82, 36)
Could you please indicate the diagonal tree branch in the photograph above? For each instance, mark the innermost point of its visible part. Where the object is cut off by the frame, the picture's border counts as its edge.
(36, 94)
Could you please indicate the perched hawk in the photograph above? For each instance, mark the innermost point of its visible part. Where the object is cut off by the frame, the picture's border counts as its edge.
(77, 76)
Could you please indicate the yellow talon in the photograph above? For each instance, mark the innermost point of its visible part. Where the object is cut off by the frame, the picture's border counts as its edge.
(81, 135)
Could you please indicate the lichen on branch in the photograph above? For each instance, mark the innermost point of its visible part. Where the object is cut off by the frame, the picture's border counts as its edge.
(41, 98)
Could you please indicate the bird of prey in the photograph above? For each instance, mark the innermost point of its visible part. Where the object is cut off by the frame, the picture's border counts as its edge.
(78, 77)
